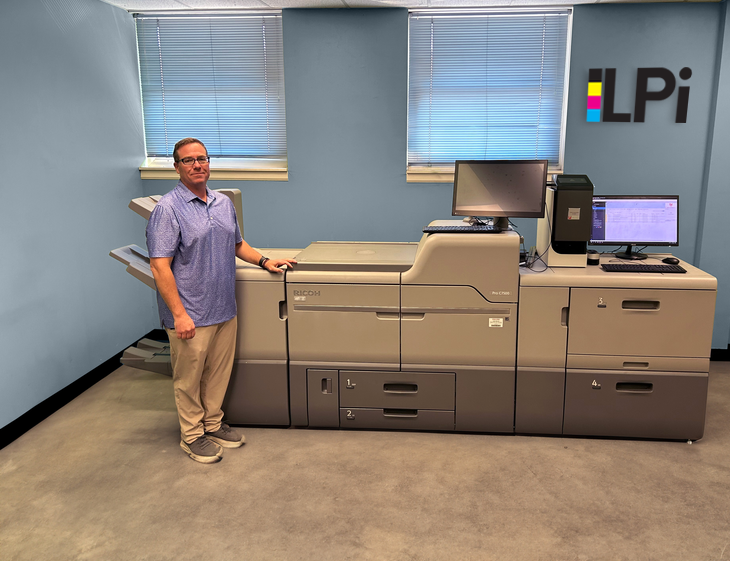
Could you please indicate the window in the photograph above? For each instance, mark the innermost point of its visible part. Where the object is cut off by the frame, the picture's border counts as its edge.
(217, 78)
(486, 86)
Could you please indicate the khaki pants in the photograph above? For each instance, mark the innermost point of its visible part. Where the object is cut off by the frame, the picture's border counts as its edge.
(201, 369)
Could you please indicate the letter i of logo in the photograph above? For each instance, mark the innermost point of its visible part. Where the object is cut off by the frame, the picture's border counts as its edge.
(595, 79)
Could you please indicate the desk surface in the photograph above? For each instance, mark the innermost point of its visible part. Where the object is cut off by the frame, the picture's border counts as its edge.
(594, 276)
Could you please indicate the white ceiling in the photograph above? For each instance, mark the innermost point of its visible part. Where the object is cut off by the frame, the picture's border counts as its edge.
(156, 5)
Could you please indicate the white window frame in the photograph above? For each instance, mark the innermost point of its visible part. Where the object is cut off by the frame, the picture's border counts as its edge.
(223, 168)
(445, 174)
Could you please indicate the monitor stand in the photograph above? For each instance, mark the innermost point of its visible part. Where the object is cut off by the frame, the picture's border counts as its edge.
(500, 222)
(629, 254)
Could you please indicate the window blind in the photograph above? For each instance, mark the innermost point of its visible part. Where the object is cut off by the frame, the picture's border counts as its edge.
(486, 86)
(216, 78)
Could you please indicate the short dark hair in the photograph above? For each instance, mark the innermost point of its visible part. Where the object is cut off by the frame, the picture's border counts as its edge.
(185, 142)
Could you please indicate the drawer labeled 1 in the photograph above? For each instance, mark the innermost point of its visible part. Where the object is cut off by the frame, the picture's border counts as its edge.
(405, 390)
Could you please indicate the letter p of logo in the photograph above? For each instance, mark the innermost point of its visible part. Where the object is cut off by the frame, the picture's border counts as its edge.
(642, 93)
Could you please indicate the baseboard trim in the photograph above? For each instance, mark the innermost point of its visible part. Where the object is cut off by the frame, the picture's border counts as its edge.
(17, 428)
(720, 354)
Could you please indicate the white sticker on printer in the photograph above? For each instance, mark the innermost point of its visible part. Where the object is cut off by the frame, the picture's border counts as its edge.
(574, 213)
(300, 298)
(496, 322)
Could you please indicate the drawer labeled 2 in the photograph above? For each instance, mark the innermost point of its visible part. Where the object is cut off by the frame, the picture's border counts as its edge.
(399, 390)
(397, 419)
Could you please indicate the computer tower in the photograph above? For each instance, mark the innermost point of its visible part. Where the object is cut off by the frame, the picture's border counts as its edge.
(564, 232)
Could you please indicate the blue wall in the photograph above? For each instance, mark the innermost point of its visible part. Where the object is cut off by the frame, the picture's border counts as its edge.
(72, 122)
(659, 156)
(346, 79)
(346, 86)
(715, 229)
(71, 140)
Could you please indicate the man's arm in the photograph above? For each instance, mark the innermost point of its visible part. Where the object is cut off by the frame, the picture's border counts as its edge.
(167, 287)
(247, 253)
(250, 255)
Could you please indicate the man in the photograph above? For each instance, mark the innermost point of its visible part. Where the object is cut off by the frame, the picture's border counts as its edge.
(193, 239)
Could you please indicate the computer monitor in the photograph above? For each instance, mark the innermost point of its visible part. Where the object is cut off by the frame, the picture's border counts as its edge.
(635, 220)
(500, 189)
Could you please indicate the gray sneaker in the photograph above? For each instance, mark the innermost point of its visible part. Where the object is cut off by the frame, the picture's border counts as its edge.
(227, 437)
(203, 450)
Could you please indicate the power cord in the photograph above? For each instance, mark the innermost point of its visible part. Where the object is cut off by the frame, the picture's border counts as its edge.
(536, 258)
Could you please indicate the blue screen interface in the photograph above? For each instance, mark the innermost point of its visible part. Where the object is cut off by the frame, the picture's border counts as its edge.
(635, 220)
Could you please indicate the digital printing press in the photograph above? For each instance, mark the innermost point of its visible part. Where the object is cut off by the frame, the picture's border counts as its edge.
(451, 334)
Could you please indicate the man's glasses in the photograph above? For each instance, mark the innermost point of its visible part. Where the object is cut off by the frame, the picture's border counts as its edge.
(202, 160)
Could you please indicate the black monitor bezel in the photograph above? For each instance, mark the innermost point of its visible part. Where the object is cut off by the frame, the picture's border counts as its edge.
(638, 198)
(531, 214)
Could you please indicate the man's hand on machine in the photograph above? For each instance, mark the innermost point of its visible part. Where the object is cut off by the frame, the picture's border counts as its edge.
(279, 265)
(184, 327)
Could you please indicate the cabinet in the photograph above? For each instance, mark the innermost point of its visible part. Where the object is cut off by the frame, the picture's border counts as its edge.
(635, 404)
(626, 354)
(258, 390)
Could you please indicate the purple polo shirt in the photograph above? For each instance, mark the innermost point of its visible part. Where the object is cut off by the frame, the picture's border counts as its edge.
(201, 238)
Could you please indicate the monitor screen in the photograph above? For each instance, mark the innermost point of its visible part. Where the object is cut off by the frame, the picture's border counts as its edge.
(500, 188)
(635, 220)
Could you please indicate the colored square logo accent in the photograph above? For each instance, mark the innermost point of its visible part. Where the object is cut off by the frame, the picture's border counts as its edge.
(595, 87)
(594, 102)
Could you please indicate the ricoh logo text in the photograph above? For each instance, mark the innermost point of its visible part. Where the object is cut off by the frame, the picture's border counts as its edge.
(601, 94)
(306, 293)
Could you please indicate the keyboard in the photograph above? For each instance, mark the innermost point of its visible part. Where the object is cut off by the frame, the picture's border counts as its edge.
(476, 229)
(641, 268)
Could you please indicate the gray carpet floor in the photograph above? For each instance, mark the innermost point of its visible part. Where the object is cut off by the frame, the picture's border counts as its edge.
(104, 478)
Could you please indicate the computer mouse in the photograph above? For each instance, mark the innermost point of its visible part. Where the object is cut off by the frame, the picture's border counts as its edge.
(670, 261)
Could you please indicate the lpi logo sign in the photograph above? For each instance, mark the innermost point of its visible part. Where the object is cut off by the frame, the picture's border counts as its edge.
(600, 97)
